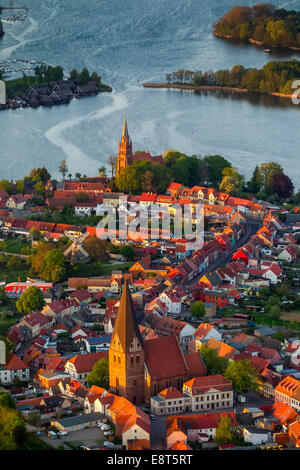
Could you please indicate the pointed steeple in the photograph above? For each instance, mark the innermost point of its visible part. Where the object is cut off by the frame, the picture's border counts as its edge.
(125, 326)
(125, 130)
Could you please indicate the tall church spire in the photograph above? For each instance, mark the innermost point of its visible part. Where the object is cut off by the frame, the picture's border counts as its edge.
(125, 150)
(126, 353)
(125, 326)
(125, 130)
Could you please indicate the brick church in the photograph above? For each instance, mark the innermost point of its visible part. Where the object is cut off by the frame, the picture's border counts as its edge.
(139, 369)
(125, 155)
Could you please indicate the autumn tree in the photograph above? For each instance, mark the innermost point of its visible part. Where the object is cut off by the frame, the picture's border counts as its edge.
(225, 432)
(232, 181)
(267, 172)
(283, 185)
(96, 248)
(63, 168)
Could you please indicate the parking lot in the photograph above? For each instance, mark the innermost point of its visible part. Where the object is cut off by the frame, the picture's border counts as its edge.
(89, 437)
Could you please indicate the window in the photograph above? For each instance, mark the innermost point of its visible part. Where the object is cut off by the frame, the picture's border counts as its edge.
(138, 359)
(119, 359)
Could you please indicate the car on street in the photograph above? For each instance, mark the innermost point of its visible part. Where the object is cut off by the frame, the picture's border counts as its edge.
(152, 416)
(108, 444)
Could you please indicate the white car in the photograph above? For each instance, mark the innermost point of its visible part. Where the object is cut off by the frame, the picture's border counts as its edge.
(62, 433)
(108, 444)
(103, 426)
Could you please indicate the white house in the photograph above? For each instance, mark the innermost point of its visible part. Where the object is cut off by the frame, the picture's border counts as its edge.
(172, 302)
(11, 368)
(255, 436)
(206, 331)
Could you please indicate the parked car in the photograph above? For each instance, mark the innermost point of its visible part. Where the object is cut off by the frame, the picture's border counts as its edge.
(108, 433)
(108, 444)
(62, 433)
(104, 426)
(152, 416)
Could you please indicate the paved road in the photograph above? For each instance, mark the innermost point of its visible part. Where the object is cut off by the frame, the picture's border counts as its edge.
(251, 229)
(6, 253)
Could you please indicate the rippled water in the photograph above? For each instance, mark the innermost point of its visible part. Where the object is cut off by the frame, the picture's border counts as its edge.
(128, 43)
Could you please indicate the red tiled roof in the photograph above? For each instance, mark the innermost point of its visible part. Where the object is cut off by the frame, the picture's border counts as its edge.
(164, 358)
(85, 362)
(202, 384)
(15, 363)
(170, 393)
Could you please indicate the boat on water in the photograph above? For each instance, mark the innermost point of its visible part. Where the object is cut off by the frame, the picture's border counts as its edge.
(269, 51)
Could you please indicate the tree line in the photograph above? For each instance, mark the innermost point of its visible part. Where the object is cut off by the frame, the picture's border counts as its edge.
(274, 77)
(262, 23)
(268, 180)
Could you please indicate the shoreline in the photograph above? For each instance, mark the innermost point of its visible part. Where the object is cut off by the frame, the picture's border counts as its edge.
(212, 88)
(256, 43)
(52, 99)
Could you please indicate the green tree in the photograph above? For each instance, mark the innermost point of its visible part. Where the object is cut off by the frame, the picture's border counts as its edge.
(54, 266)
(242, 375)
(99, 374)
(39, 188)
(19, 434)
(34, 418)
(215, 364)
(197, 309)
(215, 164)
(35, 234)
(6, 401)
(84, 76)
(225, 432)
(267, 172)
(74, 74)
(32, 299)
(128, 252)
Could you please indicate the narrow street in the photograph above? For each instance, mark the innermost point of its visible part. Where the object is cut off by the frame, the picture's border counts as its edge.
(252, 227)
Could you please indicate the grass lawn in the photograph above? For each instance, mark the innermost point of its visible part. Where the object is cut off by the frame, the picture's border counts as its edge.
(35, 443)
(5, 324)
(108, 268)
(97, 269)
(16, 245)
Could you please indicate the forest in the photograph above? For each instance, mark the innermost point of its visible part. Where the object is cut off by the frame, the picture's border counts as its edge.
(262, 23)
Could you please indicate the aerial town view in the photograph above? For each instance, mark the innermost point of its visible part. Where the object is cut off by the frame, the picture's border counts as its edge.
(150, 228)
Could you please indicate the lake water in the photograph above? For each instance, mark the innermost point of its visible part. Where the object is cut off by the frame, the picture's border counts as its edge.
(127, 43)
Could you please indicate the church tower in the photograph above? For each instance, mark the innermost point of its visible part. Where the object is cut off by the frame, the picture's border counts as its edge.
(125, 150)
(126, 353)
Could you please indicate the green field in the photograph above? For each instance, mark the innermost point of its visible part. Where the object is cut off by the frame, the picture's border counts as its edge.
(97, 269)
(16, 245)
(6, 324)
